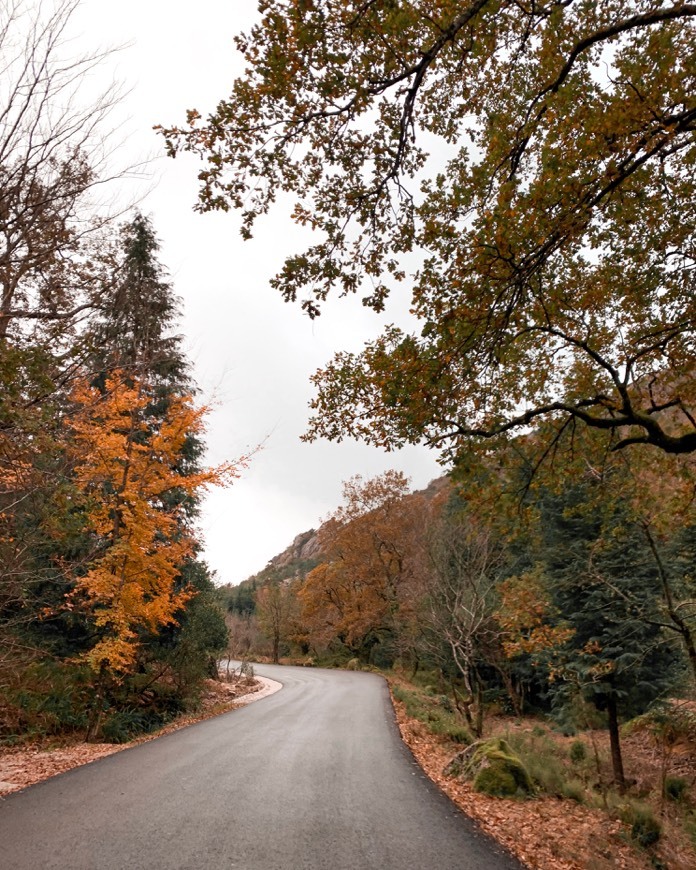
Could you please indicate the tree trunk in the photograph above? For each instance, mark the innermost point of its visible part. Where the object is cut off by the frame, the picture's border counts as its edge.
(463, 707)
(96, 714)
(512, 693)
(479, 710)
(614, 740)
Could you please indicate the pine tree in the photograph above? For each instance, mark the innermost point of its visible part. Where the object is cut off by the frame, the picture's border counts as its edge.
(602, 579)
(133, 330)
(135, 348)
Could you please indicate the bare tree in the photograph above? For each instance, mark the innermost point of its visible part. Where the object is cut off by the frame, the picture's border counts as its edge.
(465, 560)
(275, 607)
(53, 154)
(244, 638)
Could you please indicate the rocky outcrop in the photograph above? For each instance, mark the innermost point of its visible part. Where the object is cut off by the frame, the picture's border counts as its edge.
(305, 552)
(304, 547)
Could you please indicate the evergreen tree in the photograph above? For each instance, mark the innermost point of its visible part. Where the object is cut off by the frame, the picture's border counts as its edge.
(134, 335)
(110, 548)
(603, 581)
(133, 330)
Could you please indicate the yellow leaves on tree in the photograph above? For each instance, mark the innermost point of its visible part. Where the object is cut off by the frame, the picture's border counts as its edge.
(128, 473)
(527, 617)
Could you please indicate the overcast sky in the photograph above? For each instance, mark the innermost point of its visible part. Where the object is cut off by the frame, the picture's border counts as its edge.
(253, 354)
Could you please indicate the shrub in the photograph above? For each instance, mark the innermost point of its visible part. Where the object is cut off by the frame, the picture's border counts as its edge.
(645, 828)
(429, 710)
(495, 781)
(445, 702)
(543, 760)
(50, 698)
(497, 755)
(578, 751)
(574, 790)
(459, 734)
(675, 788)
(123, 725)
(690, 826)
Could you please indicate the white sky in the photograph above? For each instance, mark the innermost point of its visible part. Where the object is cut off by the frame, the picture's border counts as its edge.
(252, 353)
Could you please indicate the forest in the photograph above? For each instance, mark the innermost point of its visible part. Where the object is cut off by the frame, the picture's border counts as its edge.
(523, 176)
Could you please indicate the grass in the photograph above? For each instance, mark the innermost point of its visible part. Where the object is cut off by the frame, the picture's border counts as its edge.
(435, 712)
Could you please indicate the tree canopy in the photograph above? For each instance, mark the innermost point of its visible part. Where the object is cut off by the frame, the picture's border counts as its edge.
(527, 169)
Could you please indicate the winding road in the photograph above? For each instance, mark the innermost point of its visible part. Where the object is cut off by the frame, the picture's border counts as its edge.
(314, 777)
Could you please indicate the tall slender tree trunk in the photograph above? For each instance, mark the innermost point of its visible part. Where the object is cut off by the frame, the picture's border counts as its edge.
(615, 743)
(97, 712)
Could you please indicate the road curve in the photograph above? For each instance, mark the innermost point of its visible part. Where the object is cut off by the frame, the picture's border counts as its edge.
(314, 777)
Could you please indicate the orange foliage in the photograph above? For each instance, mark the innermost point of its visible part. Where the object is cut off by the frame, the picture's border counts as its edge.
(370, 547)
(126, 468)
(525, 615)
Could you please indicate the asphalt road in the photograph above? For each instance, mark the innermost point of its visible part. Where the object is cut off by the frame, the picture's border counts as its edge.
(314, 777)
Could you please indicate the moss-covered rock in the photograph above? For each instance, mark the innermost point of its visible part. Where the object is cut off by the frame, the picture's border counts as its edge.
(494, 768)
(495, 781)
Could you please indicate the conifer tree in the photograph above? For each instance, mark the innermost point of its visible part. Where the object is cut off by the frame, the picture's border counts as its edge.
(602, 579)
(134, 349)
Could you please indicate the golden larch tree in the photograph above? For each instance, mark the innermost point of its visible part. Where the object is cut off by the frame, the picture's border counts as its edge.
(127, 467)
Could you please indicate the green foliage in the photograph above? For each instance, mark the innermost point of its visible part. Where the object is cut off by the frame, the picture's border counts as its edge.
(646, 829)
(497, 781)
(578, 751)
(239, 599)
(429, 710)
(48, 698)
(123, 725)
(676, 788)
(446, 703)
(604, 583)
(574, 790)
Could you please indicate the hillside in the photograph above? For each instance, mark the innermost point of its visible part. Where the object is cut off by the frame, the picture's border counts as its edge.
(298, 559)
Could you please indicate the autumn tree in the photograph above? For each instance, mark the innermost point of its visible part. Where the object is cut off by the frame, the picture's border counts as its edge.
(355, 594)
(244, 638)
(275, 608)
(527, 170)
(136, 356)
(53, 157)
(126, 474)
(658, 497)
(55, 257)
